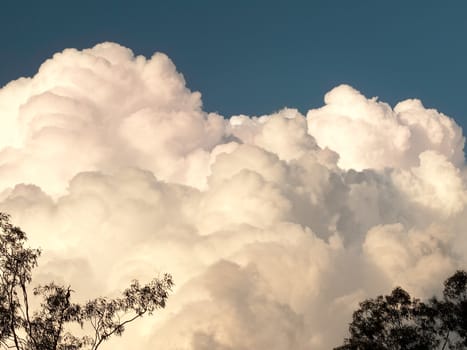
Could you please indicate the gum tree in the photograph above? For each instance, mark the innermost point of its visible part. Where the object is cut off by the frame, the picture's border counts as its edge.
(399, 322)
(47, 327)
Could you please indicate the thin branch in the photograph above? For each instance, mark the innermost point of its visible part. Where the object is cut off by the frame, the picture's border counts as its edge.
(28, 320)
(107, 335)
(95, 325)
(446, 340)
(12, 315)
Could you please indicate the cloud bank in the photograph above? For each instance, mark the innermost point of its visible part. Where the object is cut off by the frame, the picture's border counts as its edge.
(274, 227)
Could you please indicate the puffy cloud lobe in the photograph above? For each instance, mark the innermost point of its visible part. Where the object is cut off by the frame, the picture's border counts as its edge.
(407, 255)
(370, 134)
(103, 108)
(436, 184)
(272, 133)
(235, 297)
(274, 227)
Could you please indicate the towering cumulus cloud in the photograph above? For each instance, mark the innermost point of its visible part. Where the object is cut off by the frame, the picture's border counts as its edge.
(274, 227)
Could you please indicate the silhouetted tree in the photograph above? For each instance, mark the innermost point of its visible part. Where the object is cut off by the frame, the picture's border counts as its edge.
(452, 312)
(399, 322)
(46, 328)
(394, 321)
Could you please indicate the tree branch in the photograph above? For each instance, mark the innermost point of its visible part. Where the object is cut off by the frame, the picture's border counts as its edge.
(107, 335)
(446, 340)
(28, 320)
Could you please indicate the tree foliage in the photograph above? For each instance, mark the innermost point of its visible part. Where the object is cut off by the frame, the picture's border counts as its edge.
(452, 312)
(48, 327)
(399, 322)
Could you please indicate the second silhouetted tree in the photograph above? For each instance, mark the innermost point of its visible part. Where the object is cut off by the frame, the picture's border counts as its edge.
(399, 322)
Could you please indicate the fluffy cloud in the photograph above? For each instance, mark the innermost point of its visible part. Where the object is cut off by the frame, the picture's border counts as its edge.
(368, 134)
(274, 227)
(100, 109)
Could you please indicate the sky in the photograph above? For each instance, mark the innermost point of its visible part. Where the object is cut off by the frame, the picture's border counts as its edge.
(242, 150)
(255, 57)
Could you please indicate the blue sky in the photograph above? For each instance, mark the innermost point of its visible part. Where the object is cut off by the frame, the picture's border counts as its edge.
(255, 57)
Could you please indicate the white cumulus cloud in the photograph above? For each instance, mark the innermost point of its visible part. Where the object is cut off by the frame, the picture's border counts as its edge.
(274, 227)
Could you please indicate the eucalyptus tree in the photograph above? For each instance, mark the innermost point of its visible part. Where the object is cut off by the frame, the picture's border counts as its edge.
(399, 322)
(47, 327)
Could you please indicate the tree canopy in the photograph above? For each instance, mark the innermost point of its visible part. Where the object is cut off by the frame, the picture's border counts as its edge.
(47, 327)
(399, 322)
